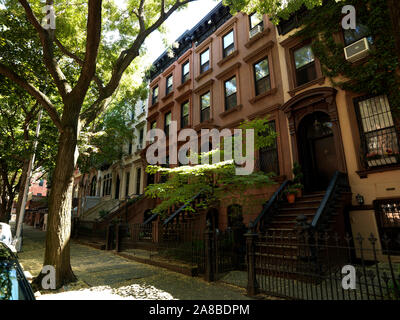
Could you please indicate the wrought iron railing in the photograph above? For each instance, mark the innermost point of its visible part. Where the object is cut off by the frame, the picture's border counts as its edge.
(328, 206)
(130, 200)
(181, 210)
(269, 208)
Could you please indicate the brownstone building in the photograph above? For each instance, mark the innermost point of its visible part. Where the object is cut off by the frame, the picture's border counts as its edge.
(228, 69)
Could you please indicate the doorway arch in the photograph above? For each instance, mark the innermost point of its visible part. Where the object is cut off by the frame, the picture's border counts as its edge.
(316, 150)
(313, 105)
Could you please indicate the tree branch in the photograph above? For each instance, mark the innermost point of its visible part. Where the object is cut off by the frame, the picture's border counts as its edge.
(46, 38)
(79, 61)
(92, 46)
(35, 93)
(127, 56)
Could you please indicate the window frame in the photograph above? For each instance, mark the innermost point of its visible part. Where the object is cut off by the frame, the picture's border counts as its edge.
(167, 126)
(295, 70)
(185, 117)
(259, 24)
(154, 98)
(205, 66)
(227, 97)
(185, 76)
(169, 88)
(270, 149)
(366, 136)
(268, 77)
(227, 51)
(202, 118)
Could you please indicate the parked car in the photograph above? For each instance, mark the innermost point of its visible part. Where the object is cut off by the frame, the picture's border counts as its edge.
(6, 236)
(13, 283)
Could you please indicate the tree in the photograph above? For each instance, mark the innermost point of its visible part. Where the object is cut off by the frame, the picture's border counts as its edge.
(86, 70)
(217, 181)
(277, 11)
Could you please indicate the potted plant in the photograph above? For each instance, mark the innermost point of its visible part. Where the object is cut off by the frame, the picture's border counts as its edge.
(299, 188)
(291, 193)
(297, 177)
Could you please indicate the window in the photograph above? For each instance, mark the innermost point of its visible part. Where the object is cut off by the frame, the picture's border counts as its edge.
(107, 182)
(138, 178)
(169, 85)
(387, 212)
(379, 137)
(93, 185)
(205, 61)
(141, 136)
(228, 44)
(205, 100)
(261, 76)
(41, 183)
(185, 114)
(268, 156)
(128, 176)
(185, 71)
(167, 122)
(305, 65)
(255, 19)
(155, 95)
(130, 148)
(230, 93)
(351, 35)
(153, 125)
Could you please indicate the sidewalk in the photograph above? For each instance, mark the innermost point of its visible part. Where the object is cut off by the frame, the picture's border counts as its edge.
(104, 275)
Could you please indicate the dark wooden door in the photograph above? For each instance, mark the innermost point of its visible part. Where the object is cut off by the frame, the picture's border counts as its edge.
(317, 151)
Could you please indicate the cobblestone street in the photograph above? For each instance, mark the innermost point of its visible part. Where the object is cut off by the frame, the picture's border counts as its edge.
(104, 275)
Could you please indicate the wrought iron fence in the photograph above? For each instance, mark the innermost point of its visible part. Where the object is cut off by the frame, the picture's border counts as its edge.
(322, 267)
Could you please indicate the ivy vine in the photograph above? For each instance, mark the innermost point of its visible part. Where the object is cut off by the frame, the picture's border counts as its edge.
(378, 74)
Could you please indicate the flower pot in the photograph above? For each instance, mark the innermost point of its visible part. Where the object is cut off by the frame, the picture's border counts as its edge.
(291, 197)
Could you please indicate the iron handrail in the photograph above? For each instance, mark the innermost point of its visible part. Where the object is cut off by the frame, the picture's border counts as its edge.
(150, 219)
(329, 194)
(120, 205)
(270, 204)
(177, 212)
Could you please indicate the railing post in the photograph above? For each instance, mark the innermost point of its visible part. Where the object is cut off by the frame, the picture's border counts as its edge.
(208, 237)
(251, 237)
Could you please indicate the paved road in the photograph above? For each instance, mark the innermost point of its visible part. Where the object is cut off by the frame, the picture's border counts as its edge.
(103, 275)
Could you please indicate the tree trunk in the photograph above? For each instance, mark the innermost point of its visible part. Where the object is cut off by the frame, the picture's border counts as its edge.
(21, 191)
(394, 11)
(57, 252)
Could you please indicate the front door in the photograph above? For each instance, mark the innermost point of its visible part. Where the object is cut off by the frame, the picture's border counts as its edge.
(317, 151)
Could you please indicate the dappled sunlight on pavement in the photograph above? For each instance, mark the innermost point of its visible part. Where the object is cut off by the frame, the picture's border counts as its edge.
(105, 276)
(131, 292)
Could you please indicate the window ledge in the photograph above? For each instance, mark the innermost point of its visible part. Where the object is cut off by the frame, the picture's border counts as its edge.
(169, 95)
(184, 84)
(227, 112)
(263, 95)
(153, 106)
(258, 36)
(202, 75)
(363, 174)
(209, 124)
(320, 80)
(227, 58)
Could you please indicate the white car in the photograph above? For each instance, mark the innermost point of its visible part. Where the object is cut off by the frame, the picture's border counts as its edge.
(6, 236)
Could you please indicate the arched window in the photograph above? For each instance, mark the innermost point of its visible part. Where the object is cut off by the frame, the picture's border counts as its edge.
(93, 186)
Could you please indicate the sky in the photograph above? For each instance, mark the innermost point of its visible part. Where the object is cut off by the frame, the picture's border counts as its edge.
(177, 24)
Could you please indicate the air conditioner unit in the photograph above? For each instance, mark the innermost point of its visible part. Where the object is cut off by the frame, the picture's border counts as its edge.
(256, 30)
(357, 50)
